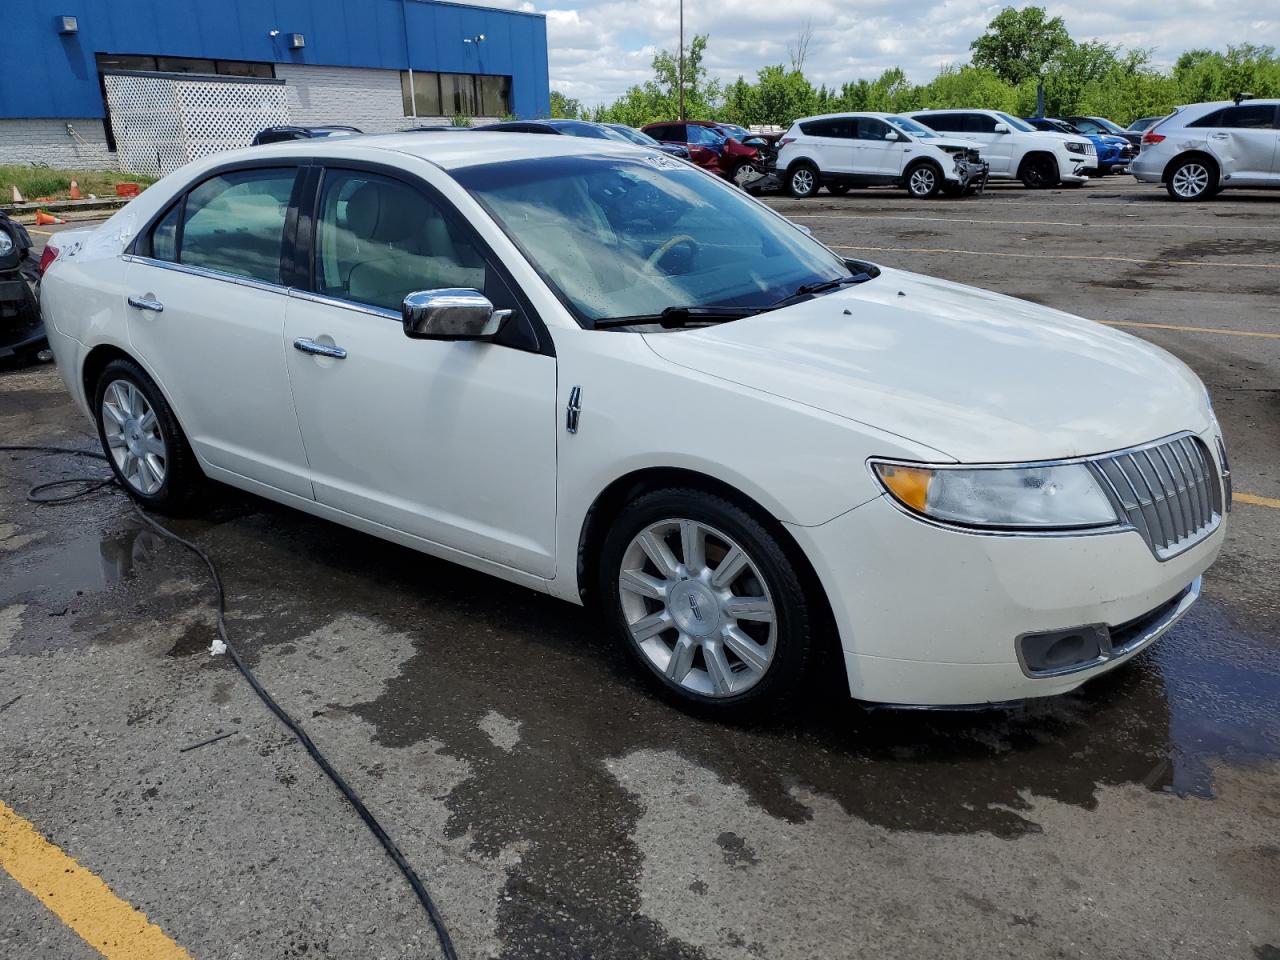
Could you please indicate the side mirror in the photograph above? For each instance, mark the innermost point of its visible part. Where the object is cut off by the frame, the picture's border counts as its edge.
(1001, 128)
(451, 314)
(891, 135)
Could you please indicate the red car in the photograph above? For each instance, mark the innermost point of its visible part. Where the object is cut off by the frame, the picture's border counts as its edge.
(714, 148)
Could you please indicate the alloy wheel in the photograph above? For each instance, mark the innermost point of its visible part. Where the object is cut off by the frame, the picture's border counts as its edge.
(134, 438)
(923, 181)
(697, 607)
(802, 182)
(745, 174)
(1190, 180)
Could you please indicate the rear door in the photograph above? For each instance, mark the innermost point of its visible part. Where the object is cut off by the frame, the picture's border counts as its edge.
(206, 317)
(832, 144)
(1243, 138)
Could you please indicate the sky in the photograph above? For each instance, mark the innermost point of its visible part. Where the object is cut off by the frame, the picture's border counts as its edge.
(598, 48)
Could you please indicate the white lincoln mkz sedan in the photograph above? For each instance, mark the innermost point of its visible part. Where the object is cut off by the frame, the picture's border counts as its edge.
(594, 370)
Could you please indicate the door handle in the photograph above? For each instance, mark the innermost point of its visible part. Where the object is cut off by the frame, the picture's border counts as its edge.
(320, 349)
(1220, 136)
(145, 303)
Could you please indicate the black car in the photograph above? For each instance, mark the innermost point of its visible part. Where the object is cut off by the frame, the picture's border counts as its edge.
(21, 329)
(588, 129)
(289, 132)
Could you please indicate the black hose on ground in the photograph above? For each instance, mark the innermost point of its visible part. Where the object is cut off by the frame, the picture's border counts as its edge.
(90, 485)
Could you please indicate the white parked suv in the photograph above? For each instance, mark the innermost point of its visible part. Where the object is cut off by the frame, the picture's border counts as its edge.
(1206, 147)
(591, 369)
(1015, 149)
(845, 150)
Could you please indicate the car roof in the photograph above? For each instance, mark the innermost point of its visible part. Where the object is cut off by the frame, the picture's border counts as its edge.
(879, 114)
(450, 150)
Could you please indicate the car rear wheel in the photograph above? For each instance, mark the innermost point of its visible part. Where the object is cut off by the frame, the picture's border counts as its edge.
(145, 447)
(706, 602)
(1039, 172)
(802, 181)
(1191, 179)
(924, 180)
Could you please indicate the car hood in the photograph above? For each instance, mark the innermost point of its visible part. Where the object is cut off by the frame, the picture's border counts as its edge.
(951, 142)
(978, 376)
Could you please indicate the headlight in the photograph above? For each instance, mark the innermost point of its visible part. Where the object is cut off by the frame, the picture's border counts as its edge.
(6, 243)
(1063, 496)
(1073, 147)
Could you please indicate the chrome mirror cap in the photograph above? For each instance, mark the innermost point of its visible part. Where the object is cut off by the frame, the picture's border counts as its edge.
(451, 314)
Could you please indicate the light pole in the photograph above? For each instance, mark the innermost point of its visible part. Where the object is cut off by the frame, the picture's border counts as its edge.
(1044, 71)
(680, 68)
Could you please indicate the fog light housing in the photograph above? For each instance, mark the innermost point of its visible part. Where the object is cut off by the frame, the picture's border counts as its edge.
(1057, 652)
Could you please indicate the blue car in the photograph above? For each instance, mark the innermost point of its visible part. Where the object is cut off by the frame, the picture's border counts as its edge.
(1113, 152)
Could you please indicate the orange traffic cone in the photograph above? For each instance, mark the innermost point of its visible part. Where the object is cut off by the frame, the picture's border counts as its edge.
(75, 190)
(46, 219)
(17, 196)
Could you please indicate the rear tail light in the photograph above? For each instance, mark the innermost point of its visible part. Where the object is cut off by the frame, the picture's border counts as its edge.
(1151, 138)
(784, 141)
(46, 259)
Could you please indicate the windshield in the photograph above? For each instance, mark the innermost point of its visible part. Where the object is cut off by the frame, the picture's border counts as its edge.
(590, 130)
(910, 126)
(635, 136)
(1015, 124)
(629, 237)
(735, 131)
(1107, 125)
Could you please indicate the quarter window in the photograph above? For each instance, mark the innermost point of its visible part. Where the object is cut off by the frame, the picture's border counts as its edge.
(234, 223)
(1249, 117)
(378, 240)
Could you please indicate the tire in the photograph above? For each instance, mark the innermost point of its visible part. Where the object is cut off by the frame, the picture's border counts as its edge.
(1039, 172)
(802, 181)
(746, 168)
(923, 180)
(717, 654)
(838, 189)
(145, 446)
(1191, 178)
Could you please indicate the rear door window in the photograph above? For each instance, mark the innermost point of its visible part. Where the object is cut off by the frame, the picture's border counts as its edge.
(1252, 116)
(234, 223)
(946, 122)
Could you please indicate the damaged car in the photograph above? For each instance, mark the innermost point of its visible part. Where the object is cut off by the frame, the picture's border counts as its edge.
(1203, 148)
(840, 151)
(21, 329)
(590, 369)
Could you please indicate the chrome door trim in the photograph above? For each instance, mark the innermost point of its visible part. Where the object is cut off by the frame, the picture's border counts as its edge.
(328, 301)
(187, 268)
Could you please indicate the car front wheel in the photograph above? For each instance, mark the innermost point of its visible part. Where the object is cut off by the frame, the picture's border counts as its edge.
(1192, 179)
(802, 181)
(145, 447)
(706, 602)
(924, 180)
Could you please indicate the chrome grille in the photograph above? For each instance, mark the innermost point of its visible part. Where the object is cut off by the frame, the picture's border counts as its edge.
(1167, 490)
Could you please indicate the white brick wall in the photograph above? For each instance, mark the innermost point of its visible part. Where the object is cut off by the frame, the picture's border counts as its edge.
(45, 140)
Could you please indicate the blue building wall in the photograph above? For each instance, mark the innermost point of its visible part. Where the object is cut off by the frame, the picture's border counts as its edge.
(44, 74)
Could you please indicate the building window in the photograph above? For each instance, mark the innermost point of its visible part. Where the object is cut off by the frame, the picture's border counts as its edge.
(447, 94)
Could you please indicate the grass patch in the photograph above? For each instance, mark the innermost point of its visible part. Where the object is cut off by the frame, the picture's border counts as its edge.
(35, 181)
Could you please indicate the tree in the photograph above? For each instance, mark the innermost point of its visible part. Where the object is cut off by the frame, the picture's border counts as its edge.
(1017, 44)
(798, 49)
(565, 107)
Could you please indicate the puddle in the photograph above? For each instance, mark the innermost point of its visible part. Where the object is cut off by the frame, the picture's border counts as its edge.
(87, 564)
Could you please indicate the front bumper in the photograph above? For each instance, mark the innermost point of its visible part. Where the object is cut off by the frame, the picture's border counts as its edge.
(932, 616)
(969, 173)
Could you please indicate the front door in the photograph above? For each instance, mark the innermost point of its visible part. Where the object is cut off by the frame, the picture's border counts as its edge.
(453, 442)
(879, 155)
(206, 316)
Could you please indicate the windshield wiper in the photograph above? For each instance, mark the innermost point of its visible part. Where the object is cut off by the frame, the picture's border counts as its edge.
(673, 317)
(822, 286)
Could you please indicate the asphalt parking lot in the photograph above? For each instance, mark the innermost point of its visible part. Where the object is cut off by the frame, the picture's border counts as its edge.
(554, 807)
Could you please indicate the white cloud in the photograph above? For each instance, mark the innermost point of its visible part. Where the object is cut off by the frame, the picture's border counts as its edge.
(598, 48)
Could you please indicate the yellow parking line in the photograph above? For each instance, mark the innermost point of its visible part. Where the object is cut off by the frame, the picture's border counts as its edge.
(79, 898)
(1177, 326)
(1061, 256)
(43, 233)
(1256, 500)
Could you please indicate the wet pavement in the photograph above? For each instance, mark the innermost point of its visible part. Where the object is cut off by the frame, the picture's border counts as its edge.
(553, 806)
